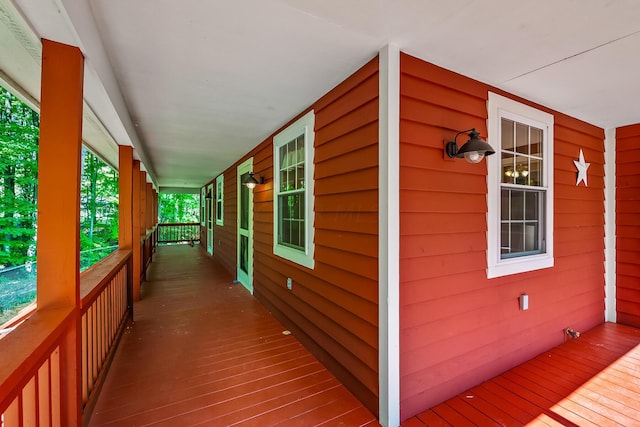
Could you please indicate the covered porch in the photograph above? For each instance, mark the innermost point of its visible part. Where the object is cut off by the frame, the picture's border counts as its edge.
(203, 351)
(392, 292)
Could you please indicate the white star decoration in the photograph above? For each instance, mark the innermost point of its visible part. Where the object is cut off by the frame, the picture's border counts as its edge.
(582, 169)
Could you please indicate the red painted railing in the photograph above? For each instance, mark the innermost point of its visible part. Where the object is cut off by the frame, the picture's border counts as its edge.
(106, 308)
(34, 387)
(31, 371)
(148, 245)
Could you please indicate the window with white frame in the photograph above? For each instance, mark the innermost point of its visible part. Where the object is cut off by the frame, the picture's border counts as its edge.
(520, 188)
(293, 192)
(203, 195)
(220, 200)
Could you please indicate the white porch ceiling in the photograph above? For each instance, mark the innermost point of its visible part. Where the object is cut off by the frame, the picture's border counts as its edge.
(193, 85)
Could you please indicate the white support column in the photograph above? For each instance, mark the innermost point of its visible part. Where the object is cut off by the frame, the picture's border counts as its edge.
(389, 236)
(610, 224)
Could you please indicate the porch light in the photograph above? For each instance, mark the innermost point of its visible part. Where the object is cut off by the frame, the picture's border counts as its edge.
(473, 151)
(208, 196)
(251, 181)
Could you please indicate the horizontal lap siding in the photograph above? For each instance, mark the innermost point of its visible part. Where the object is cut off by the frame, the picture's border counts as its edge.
(332, 309)
(225, 242)
(628, 224)
(457, 327)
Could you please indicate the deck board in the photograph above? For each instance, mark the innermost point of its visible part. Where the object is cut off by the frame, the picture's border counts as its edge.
(203, 351)
(591, 381)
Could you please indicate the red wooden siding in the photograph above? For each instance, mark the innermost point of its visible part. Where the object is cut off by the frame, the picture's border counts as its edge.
(333, 308)
(457, 327)
(628, 224)
(225, 242)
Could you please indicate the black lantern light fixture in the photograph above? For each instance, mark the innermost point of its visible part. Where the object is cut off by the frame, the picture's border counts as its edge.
(251, 181)
(473, 151)
(208, 196)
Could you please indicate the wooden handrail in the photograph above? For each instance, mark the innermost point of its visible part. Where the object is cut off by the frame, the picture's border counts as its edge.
(38, 343)
(94, 279)
(25, 349)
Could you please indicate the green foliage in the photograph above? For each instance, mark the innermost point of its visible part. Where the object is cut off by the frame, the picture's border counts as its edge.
(98, 210)
(178, 208)
(19, 134)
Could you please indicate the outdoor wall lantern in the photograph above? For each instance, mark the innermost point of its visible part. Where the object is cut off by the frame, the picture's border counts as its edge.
(473, 151)
(208, 196)
(251, 181)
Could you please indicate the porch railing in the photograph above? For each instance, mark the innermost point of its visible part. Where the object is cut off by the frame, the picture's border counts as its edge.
(106, 308)
(178, 232)
(148, 245)
(33, 382)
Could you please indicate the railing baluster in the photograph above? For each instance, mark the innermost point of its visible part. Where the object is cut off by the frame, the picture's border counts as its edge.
(178, 232)
(44, 391)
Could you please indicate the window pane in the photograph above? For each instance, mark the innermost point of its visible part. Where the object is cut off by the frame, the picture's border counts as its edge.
(521, 227)
(521, 173)
(517, 237)
(283, 156)
(535, 173)
(507, 134)
(505, 247)
(531, 237)
(522, 138)
(517, 205)
(300, 177)
(505, 205)
(292, 211)
(244, 203)
(508, 168)
(300, 149)
(244, 253)
(532, 205)
(536, 141)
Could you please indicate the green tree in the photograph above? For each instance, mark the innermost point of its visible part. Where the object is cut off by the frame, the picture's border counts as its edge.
(98, 209)
(19, 135)
(180, 208)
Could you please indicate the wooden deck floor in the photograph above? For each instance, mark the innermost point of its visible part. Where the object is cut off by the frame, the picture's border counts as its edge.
(203, 351)
(591, 381)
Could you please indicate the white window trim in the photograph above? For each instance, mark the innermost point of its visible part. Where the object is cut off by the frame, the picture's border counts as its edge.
(203, 195)
(498, 106)
(305, 125)
(219, 197)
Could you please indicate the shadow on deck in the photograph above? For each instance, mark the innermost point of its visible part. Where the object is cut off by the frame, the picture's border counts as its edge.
(203, 351)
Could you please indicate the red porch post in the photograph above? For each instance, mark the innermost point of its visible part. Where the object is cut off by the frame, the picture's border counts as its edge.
(143, 204)
(137, 256)
(149, 206)
(125, 188)
(58, 247)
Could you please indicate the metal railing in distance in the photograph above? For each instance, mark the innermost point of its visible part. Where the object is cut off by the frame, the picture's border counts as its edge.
(178, 232)
(106, 307)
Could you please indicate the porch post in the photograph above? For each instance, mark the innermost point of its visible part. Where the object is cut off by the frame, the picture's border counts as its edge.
(59, 169)
(143, 204)
(125, 198)
(149, 206)
(389, 237)
(137, 257)
(611, 309)
(143, 226)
